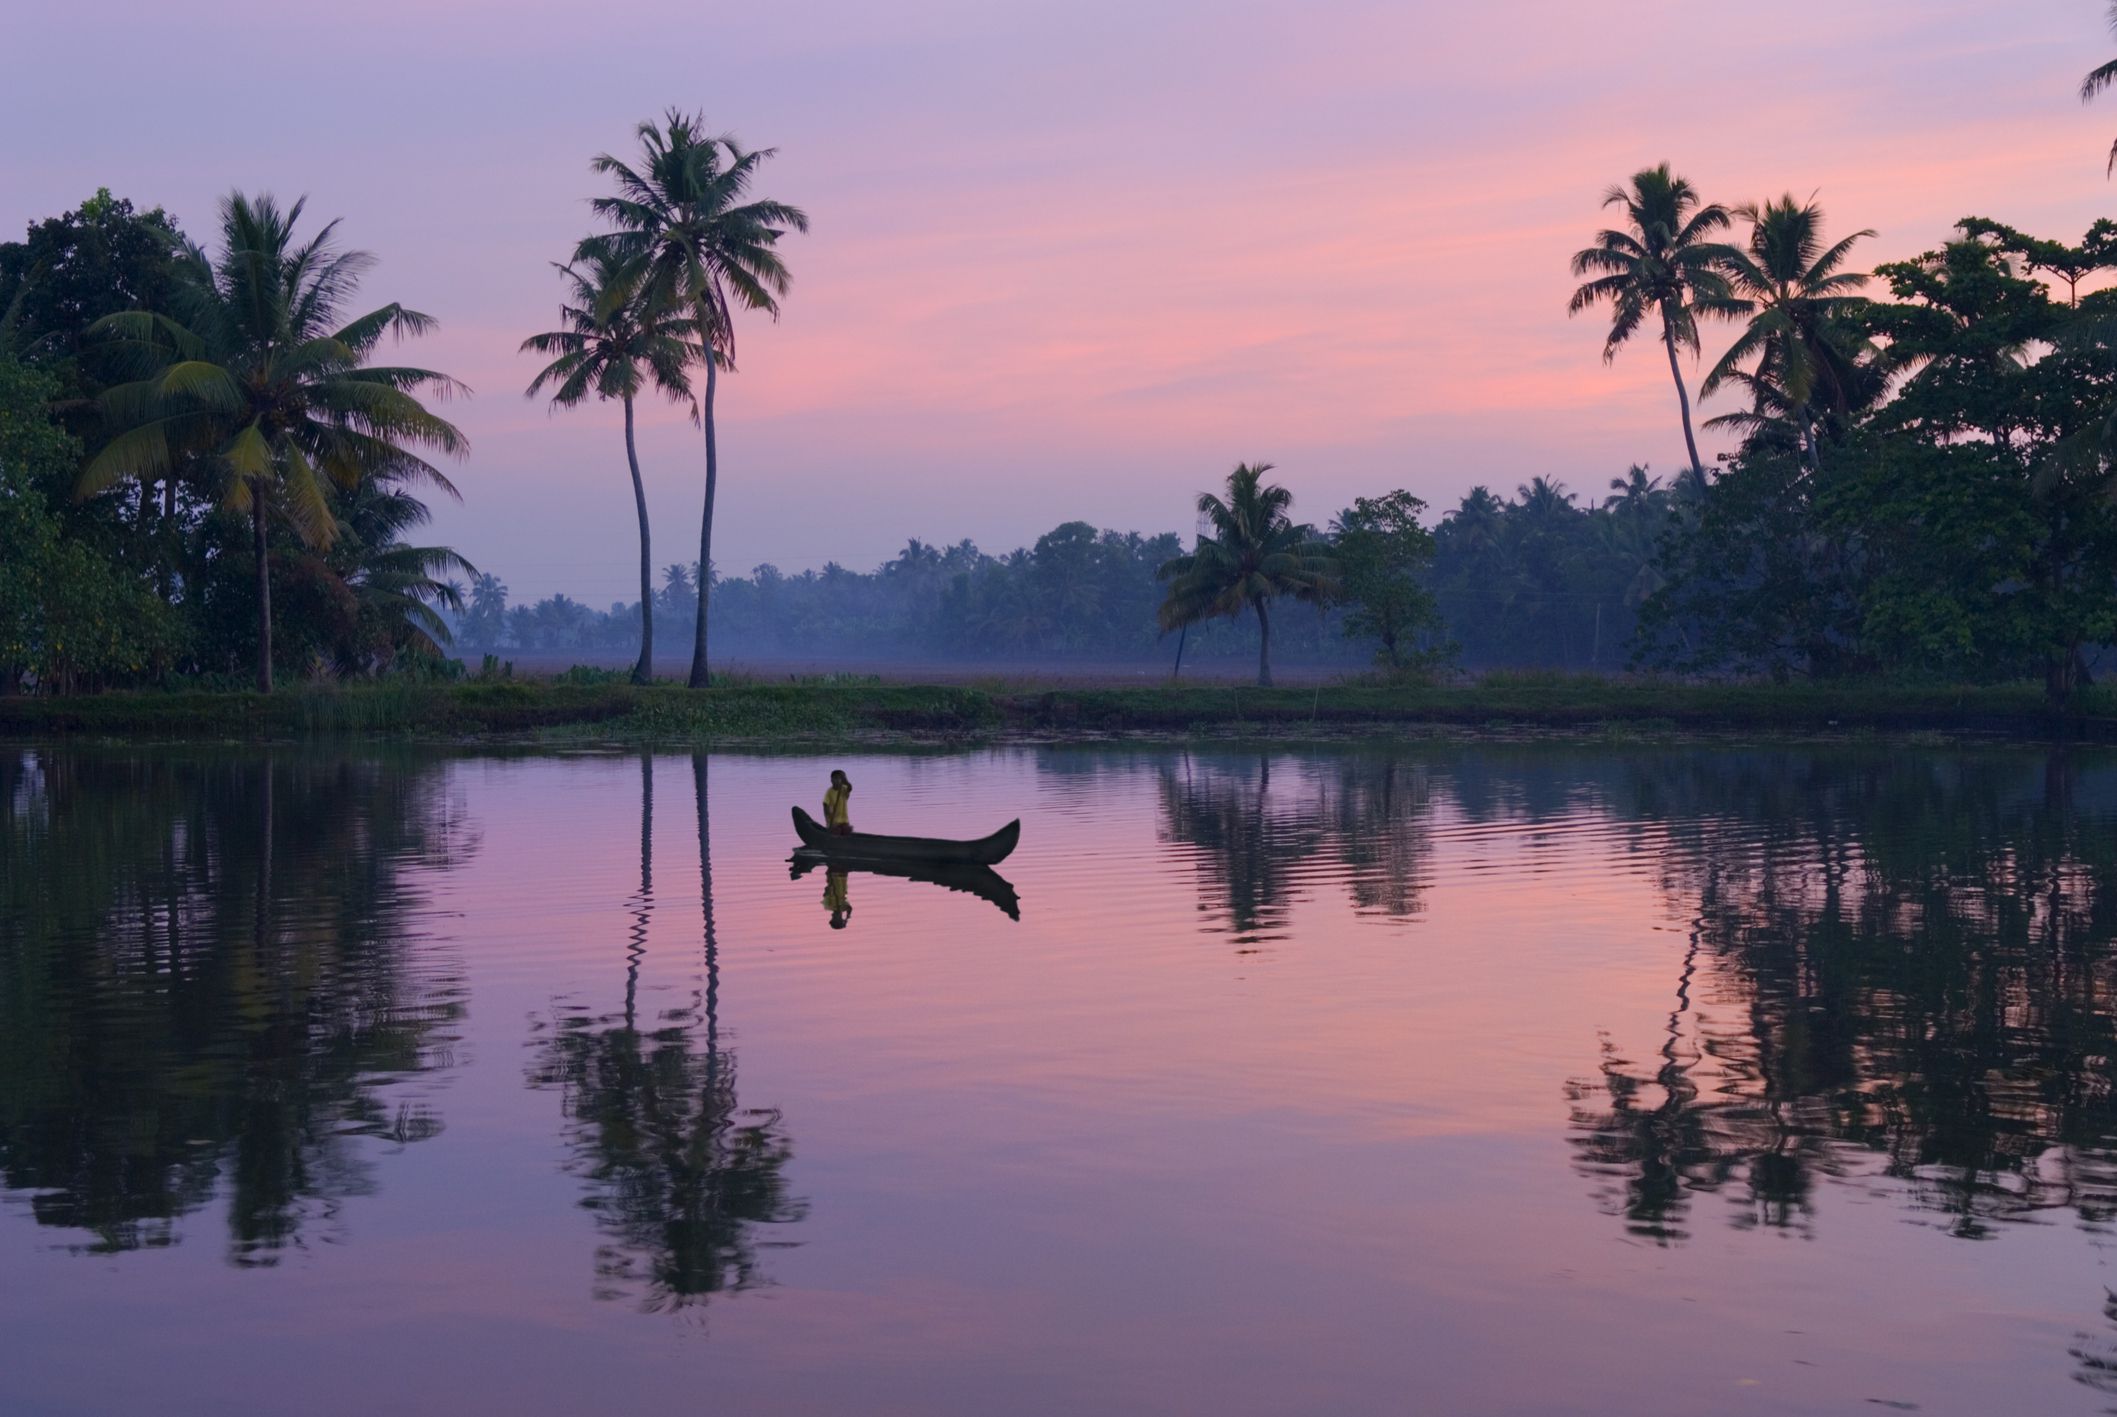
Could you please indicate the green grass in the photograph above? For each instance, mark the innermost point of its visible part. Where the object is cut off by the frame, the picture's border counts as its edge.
(847, 708)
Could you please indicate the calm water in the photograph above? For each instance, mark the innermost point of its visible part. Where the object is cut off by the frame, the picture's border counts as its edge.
(1464, 1080)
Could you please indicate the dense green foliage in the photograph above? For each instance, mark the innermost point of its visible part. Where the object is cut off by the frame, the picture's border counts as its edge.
(155, 400)
(1924, 488)
(1381, 553)
(71, 615)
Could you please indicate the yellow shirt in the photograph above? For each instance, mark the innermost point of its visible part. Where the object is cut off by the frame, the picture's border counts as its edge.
(834, 813)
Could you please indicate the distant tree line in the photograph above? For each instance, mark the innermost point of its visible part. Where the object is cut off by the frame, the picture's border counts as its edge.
(1542, 578)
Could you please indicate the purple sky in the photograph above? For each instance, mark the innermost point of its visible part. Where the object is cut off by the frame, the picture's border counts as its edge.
(1069, 259)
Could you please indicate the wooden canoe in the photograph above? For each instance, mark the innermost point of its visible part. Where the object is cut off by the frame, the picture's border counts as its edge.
(864, 846)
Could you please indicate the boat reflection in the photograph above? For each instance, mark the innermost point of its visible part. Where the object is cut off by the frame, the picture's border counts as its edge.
(980, 881)
(679, 1175)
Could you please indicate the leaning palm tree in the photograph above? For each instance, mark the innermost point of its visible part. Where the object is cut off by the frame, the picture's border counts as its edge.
(616, 337)
(1793, 292)
(262, 386)
(682, 214)
(1253, 554)
(1664, 263)
(2100, 78)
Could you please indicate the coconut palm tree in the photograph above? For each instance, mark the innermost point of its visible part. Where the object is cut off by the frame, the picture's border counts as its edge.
(1769, 423)
(681, 212)
(1663, 263)
(264, 388)
(2100, 78)
(1794, 292)
(1252, 554)
(1637, 489)
(399, 589)
(616, 337)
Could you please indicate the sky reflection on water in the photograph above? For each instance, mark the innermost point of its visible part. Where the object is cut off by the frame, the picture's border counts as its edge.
(1459, 1078)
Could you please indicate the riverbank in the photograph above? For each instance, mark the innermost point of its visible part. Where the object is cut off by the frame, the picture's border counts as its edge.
(853, 712)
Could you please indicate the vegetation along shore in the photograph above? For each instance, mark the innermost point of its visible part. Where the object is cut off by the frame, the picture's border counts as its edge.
(210, 474)
(603, 706)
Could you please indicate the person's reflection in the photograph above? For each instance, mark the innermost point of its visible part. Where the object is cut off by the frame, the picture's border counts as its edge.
(980, 881)
(834, 898)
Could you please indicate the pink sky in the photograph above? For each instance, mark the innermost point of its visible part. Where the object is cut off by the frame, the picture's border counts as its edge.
(1070, 260)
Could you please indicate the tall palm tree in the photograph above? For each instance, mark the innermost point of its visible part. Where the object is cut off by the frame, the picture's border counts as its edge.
(263, 386)
(682, 213)
(1664, 263)
(2100, 78)
(1253, 554)
(1793, 291)
(617, 336)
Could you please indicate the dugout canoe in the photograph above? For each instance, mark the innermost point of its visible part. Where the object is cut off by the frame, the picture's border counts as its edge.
(867, 846)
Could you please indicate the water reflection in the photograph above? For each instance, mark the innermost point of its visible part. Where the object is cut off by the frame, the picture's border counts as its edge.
(1255, 827)
(207, 986)
(1900, 971)
(980, 881)
(679, 1175)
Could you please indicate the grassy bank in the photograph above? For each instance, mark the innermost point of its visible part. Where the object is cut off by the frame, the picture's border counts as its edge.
(842, 711)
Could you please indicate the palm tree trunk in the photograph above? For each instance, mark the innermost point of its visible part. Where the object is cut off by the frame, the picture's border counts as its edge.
(643, 672)
(264, 590)
(165, 581)
(636, 949)
(700, 771)
(1683, 396)
(1264, 647)
(699, 676)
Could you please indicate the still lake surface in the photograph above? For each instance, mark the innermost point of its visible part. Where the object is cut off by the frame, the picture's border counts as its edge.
(1454, 1079)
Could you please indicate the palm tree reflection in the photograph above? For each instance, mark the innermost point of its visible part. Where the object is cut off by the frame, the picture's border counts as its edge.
(679, 1175)
(1359, 819)
(1928, 999)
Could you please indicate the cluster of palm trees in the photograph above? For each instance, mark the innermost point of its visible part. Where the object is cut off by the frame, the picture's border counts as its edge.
(1793, 358)
(1787, 289)
(650, 303)
(255, 389)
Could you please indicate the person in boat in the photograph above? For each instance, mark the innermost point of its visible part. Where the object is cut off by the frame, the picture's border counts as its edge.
(837, 819)
(835, 899)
